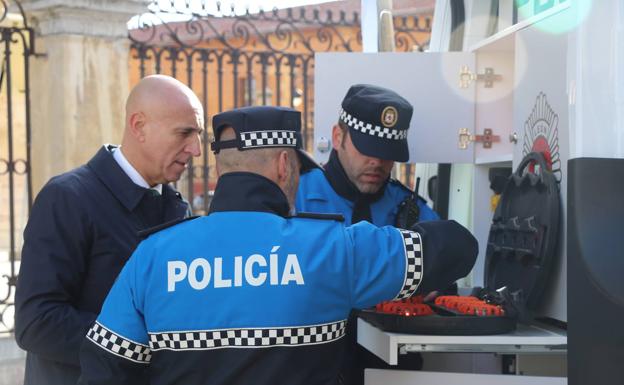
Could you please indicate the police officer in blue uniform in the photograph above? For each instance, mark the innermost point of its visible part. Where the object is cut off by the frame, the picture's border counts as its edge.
(370, 135)
(251, 294)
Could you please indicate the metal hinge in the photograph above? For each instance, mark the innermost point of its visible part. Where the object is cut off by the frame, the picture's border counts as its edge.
(487, 138)
(488, 77)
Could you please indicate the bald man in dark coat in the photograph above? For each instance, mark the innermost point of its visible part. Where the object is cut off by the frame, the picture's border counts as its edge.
(84, 225)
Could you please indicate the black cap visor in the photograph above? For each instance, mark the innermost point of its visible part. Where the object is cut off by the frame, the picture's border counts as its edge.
(387, 149)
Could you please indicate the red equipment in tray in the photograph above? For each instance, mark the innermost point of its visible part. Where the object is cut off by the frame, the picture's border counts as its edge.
(521, 247)
(406, 307)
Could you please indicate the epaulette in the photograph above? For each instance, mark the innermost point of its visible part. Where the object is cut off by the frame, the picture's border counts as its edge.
(147, 232)
(398, 183)
(334, 217)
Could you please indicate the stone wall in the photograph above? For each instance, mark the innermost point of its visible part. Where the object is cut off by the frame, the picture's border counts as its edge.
(79, 87)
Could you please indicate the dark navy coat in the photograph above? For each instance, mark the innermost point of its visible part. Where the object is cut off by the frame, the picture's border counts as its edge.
(250, 295)
(81, 231)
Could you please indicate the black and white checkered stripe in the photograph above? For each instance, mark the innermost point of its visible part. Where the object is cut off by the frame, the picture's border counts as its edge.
(248, 338)
(413, 263)
(370, 129)
(118, 345)
(278, 138)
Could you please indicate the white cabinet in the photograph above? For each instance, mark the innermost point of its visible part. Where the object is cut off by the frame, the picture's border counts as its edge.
(514, 84)
(401, 377)
(456, 96)
(526, 339)
(511, 86)
(450, 92)
(546, 346)
(429, 81)
(540, 118)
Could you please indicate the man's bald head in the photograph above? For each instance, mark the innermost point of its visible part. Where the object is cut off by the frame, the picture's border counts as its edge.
(164, 119)
(155, 93)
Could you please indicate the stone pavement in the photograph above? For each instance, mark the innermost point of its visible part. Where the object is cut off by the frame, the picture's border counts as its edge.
(12, 360)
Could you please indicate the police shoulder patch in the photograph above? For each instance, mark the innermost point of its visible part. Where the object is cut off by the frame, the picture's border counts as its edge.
(406, 189)
(396, 182)
(147, 232)
(335, 217)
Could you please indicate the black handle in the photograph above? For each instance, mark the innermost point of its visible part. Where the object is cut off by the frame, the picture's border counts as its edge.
(532, 157)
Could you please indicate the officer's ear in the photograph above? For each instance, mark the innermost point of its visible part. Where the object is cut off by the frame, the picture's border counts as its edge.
(283, 165)
(337, 136)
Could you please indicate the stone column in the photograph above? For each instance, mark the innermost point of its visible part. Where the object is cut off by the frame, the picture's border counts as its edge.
(80, 86)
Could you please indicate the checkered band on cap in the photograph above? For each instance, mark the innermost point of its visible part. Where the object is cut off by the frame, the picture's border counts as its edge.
(371, 129)
(118, 345)
(248, 338)
(277, 138)
(413, 263)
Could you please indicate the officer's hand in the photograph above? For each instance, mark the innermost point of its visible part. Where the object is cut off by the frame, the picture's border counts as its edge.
(449, 252)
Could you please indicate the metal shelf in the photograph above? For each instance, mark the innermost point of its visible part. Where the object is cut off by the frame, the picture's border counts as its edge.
(526, 339)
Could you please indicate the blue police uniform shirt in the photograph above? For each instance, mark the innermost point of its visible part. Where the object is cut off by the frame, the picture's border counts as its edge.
(316, 194)
(246, 294)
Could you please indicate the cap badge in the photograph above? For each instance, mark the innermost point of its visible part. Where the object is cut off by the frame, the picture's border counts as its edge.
(389, 116)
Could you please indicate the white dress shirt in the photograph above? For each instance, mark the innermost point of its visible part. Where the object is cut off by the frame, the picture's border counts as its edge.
(132, 173)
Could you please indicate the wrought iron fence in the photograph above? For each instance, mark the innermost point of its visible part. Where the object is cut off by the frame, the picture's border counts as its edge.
(17, 42)
(232, 60)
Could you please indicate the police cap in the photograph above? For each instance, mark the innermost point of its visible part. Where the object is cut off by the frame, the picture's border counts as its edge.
(378, 119)
(261, 127)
